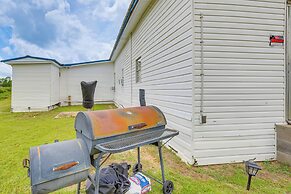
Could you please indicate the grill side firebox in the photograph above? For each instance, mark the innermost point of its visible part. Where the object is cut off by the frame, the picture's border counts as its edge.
(58, 165)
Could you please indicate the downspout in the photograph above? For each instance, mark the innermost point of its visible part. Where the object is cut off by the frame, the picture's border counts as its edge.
(202, 117)
(287, 63)
(193, 160)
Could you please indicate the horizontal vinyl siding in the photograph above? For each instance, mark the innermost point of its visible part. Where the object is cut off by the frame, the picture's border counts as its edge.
(123, 62)
(244, 79)
(71, 82)
(31, 87)
(163, 40)
(55, 85)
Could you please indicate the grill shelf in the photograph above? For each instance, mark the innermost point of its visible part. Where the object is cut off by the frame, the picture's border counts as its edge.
(132, 141)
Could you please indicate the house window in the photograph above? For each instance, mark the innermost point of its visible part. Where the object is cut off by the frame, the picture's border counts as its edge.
(138, 70)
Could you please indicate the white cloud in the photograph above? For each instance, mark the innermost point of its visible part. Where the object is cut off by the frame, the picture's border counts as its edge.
(77, 33)
(79, 50)
(5, 70)
(7, 50)
(4, 19)
(106, 10)
(46, 4)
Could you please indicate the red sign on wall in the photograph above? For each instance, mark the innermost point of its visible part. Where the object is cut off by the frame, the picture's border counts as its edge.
(275, 40)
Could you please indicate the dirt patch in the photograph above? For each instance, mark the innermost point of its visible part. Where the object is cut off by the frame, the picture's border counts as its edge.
(173, 162)
(221, 169)
(277, 178)
(66, 115)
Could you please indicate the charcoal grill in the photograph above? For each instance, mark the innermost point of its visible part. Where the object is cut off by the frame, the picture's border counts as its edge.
(101, 133)
(119, 130)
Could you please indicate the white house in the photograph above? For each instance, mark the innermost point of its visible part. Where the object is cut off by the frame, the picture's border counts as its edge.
(208, 65)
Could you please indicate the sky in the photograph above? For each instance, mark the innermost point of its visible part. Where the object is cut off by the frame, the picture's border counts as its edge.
(66, 30)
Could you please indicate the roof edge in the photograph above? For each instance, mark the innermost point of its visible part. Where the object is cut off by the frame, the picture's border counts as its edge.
(32, 57)
(56, 62)
(86, 62)
(124, 24)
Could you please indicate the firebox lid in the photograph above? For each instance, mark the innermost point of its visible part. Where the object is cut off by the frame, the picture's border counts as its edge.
(50, 162)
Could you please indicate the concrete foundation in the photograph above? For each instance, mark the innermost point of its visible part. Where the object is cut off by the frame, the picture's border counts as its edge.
(284, 143)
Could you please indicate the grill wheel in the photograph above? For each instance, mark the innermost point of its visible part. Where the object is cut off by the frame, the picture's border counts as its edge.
(135, 168)
(168, 187)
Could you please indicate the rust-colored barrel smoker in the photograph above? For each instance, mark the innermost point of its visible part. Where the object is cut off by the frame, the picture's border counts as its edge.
(96, 126)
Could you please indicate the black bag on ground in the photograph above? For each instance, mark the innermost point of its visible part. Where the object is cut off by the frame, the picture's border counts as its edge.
(88, 90)
(113, 180)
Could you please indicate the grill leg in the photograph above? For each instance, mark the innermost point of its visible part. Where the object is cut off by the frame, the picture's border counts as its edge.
(138, 159)
(78, 188)
(97, 172)
(161, 161)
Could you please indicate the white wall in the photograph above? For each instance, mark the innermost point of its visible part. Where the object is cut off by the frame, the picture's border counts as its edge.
(55, 85)
(71, 82)
(31, 87)
(244, 79)
(163, 40)
(123, 61)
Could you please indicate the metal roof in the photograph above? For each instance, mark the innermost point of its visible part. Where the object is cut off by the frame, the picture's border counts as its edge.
(83, 63)
(32, 57)
(55, 61)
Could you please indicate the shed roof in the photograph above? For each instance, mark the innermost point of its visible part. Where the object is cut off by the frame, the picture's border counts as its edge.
(85, 63)
(28, 59)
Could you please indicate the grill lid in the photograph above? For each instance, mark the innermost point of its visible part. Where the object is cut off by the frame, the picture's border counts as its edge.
(100, 124)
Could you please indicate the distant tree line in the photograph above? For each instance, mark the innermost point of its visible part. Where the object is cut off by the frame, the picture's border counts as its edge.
(5, 82)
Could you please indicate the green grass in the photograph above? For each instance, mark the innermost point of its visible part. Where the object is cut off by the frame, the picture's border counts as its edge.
(5, 99)
(20, 131)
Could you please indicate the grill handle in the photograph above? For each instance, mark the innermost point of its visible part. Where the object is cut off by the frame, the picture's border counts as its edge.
(137, 126)
(65, 166)
(26, 164)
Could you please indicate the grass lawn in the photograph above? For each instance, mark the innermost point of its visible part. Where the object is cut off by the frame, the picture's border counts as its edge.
(19, 131)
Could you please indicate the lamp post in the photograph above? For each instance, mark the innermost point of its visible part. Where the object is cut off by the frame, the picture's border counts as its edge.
(251, 169)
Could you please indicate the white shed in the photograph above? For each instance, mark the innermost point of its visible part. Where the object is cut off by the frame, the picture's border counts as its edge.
(35, 84)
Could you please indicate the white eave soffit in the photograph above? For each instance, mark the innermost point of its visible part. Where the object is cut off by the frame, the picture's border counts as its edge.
(133, 21)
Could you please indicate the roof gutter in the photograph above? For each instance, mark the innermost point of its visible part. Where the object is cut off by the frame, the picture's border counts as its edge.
(19, 61)
(133, 16)
(85, 63)
(13, 61)
(124, 24)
